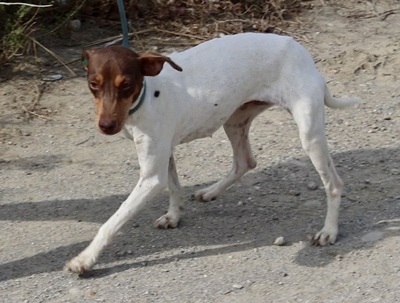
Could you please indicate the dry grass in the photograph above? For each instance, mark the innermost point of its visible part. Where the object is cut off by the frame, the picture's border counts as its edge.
(189, 22)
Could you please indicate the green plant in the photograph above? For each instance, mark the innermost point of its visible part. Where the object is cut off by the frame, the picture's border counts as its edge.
(17, 26)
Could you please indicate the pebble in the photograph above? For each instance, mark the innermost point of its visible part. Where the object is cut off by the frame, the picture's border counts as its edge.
(75, 25)
(294, 192)
(280, 241)
(237, 286)
(312, 185)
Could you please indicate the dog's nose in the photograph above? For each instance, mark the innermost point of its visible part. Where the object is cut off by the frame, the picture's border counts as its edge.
(108, 126)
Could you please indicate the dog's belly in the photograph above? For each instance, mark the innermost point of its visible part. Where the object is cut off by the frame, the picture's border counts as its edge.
(216, 121)
(199, 134)
(206, 130)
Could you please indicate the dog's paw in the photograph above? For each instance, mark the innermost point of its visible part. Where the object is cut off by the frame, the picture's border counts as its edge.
(79, 265)
(205, 195)
(167, 221)
(324, 237)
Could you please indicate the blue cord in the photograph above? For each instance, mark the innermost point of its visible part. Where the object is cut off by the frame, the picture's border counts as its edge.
(124, 23)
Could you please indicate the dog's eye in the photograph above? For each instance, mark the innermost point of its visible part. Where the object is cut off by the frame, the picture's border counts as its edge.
(93, 85)
(125, 86)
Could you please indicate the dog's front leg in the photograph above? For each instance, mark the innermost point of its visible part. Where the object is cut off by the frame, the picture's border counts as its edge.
(153, 178)
(175, 210)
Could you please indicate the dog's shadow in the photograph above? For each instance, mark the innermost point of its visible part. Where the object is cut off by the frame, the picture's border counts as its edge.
(271, 202)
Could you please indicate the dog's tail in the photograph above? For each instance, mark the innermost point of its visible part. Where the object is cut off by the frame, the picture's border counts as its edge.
(339, 102)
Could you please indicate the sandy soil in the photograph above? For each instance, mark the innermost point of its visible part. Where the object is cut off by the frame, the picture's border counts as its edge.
(60, 180)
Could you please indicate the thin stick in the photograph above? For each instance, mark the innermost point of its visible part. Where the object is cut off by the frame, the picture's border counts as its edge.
(118, 37)
(154, 29)
(58, 58)
(26, 4)
(37, 97)
(177, 43)
(178, 34)
(28, 112)
(39, 116)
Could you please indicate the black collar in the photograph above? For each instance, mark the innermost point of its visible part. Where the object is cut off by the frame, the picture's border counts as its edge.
(138, 104)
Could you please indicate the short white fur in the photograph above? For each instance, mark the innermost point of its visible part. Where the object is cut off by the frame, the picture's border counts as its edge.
(220, 81)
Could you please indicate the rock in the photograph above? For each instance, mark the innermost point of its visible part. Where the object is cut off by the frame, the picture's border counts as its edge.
(280, 241)
(237, 286)
(75, 25)
(294, 192)
(312, 185)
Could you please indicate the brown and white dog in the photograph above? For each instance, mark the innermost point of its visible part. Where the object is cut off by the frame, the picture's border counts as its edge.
(225, 82)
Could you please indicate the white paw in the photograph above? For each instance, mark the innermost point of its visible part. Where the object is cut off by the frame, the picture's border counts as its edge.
(206, 195)
(325, 236)
(167, 221)
(79, 264)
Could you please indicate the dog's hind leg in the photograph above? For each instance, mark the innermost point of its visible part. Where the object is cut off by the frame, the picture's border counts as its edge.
(175, 210)
(310, 117)
(237, 129)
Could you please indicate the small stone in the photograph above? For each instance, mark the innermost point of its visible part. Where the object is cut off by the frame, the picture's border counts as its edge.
(280, 241)
(294, 192)
(312, 185)
(339, 257)
(237, 286)
(90, 293)
(75, 25)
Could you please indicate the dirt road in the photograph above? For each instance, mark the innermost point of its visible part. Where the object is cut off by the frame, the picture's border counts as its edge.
(60, 180)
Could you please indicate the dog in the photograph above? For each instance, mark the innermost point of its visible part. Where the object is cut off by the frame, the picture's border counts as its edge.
(227, 82)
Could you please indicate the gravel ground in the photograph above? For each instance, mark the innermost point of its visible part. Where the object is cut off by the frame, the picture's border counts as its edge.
(61, 179)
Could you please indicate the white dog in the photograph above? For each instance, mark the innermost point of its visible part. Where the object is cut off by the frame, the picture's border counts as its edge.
(226, 81)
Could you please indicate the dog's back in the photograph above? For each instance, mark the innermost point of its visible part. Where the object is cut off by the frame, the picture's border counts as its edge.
(244, 67)
(222, 74)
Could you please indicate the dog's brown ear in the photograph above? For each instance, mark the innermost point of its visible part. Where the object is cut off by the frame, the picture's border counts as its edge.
(152, 64)
(85, 58)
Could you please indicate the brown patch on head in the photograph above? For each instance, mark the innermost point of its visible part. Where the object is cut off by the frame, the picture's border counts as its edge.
(115, 80)
(115, 77)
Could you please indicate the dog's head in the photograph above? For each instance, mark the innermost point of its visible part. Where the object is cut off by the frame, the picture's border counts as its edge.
(115, 76)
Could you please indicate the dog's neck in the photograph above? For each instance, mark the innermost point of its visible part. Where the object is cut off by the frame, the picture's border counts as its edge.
(139, 101)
